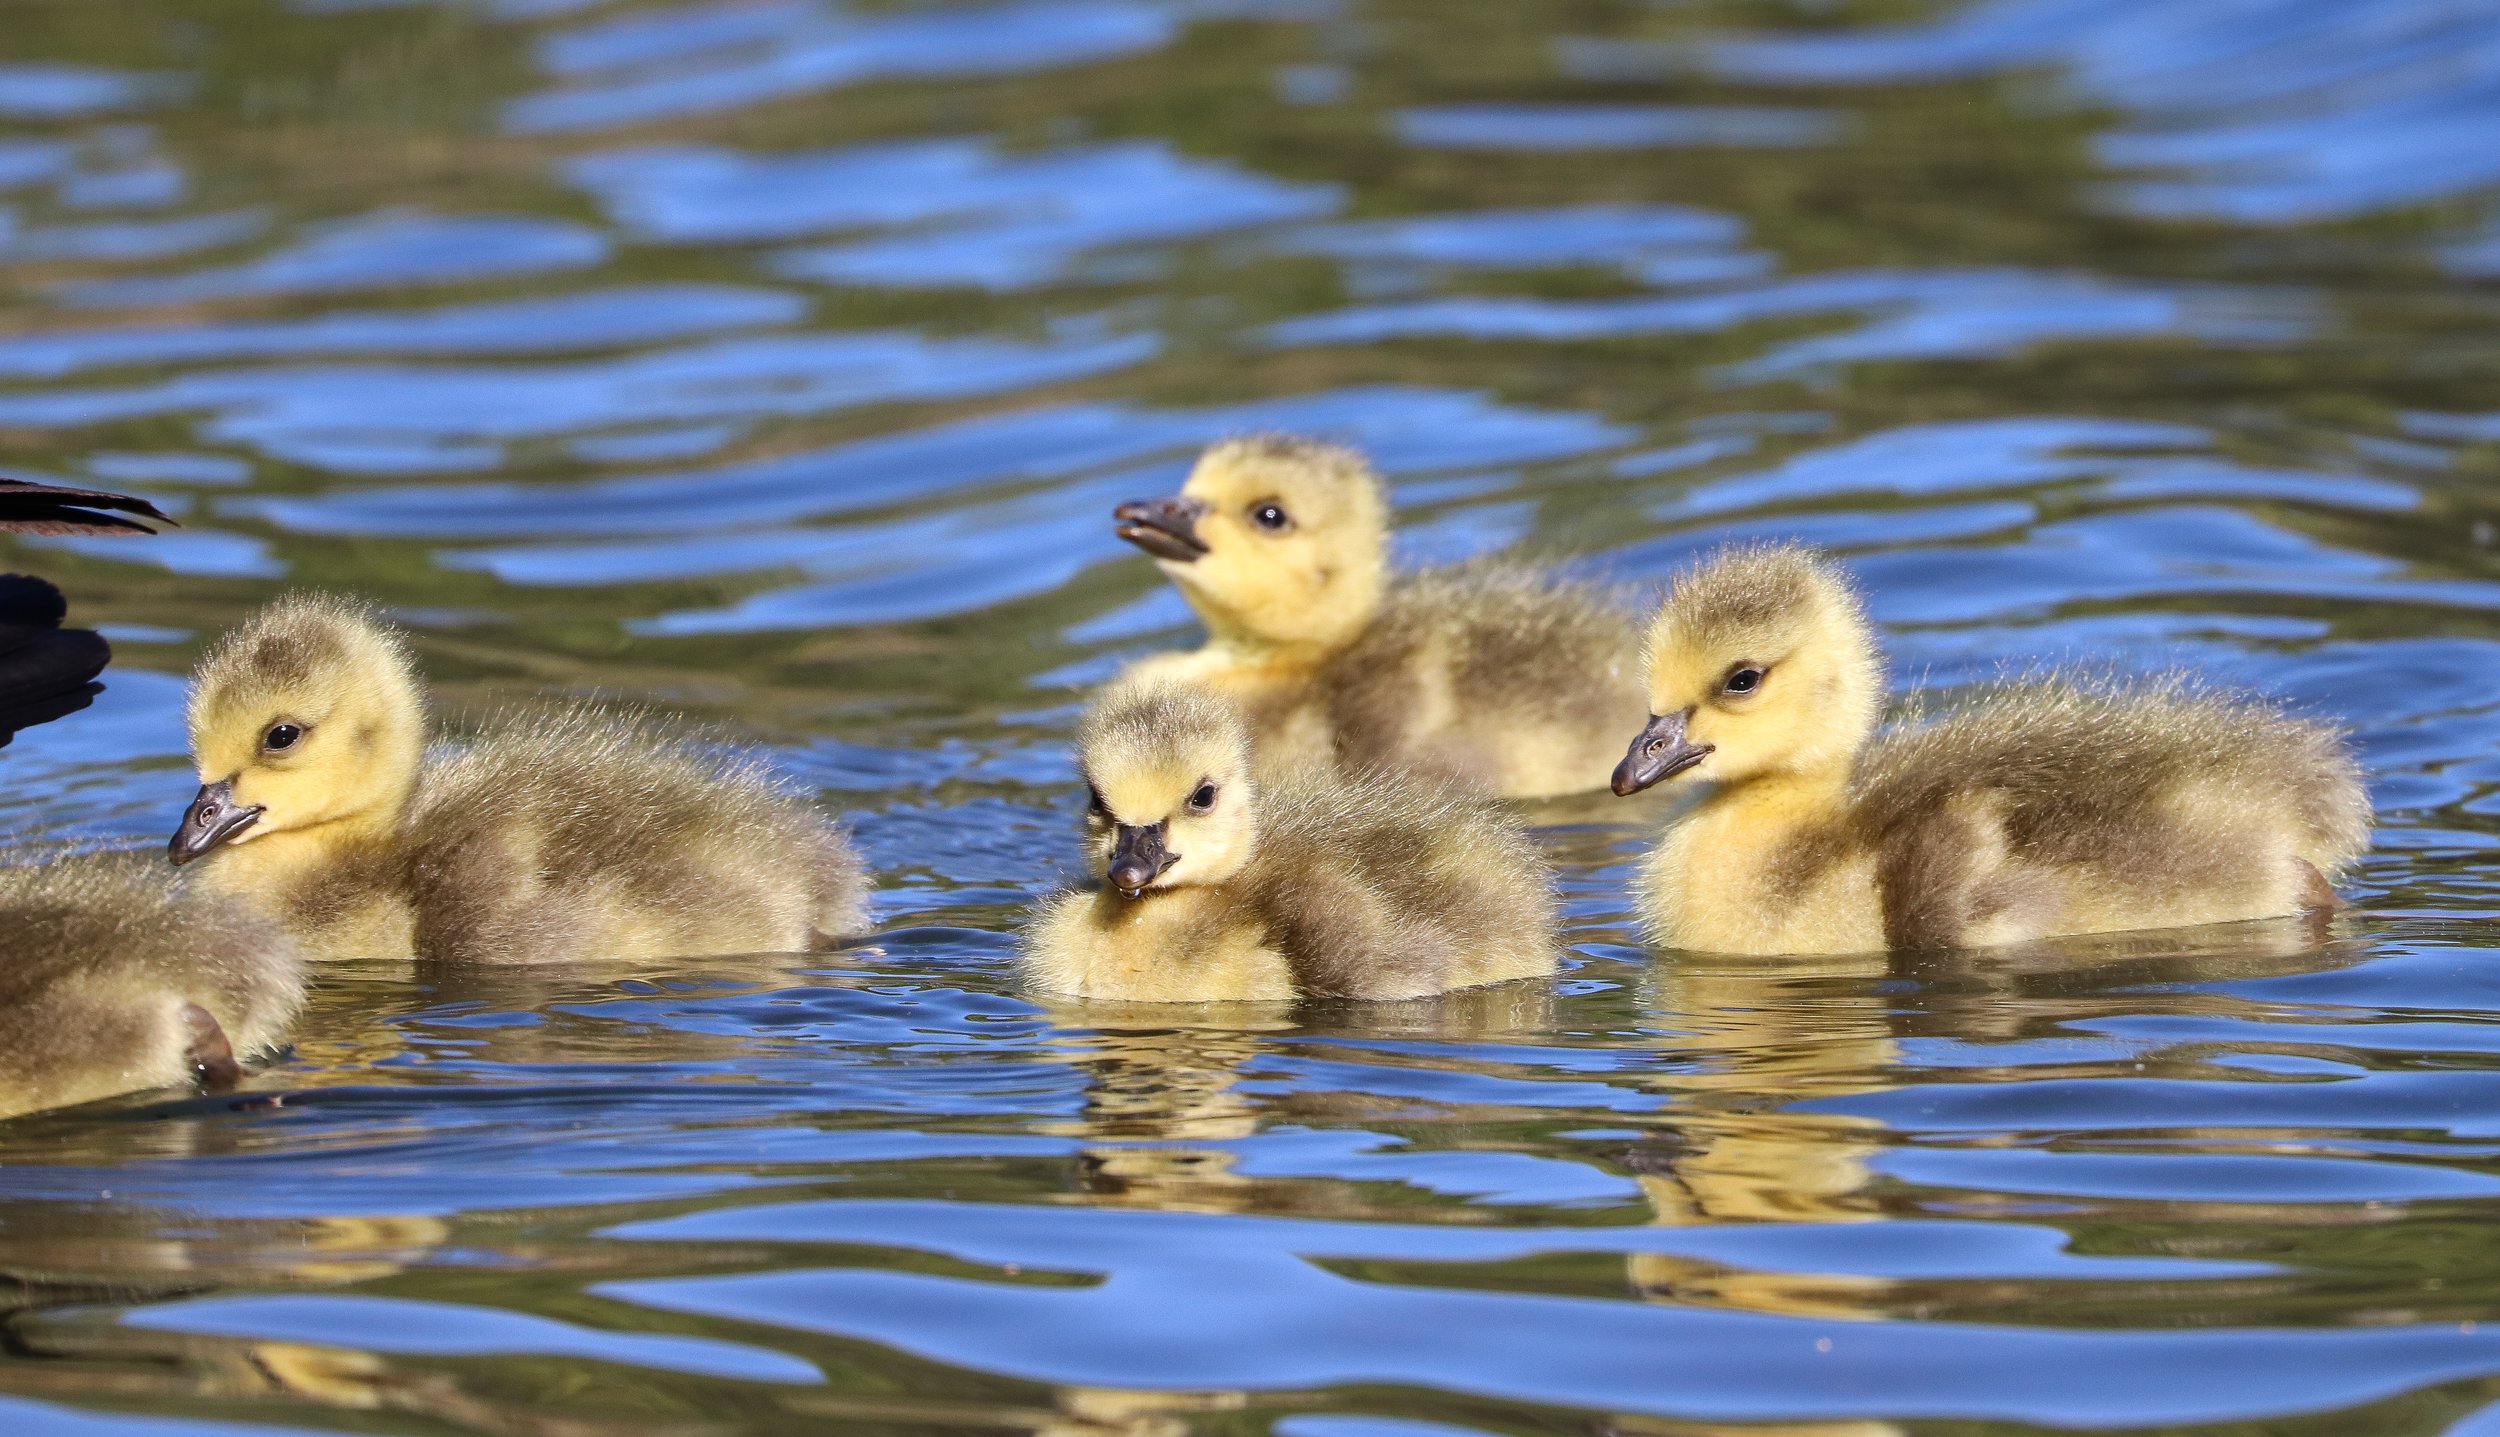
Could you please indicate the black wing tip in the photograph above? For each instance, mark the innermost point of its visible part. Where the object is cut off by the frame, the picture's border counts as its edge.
(24, 713)
(31, 506)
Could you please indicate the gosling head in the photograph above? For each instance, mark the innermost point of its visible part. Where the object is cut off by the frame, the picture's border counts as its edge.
(309, 715)
(1167, 770)
(1274, 540)
(1760, 662)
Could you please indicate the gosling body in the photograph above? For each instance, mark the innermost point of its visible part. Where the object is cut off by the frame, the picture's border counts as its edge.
(1222, 886)
(1499, 677)
(562, 836)
(2044, 808)
(114, 981)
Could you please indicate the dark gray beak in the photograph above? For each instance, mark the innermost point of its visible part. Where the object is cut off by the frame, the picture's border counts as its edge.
(1138, 858)
(1660, 753)
(212, 818)
(1165, 528)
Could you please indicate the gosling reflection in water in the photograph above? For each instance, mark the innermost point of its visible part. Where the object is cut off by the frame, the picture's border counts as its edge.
(1165, 1119)
(61, 1254)
(2038, 990)
(1773, 1034)
(1072, 1412)
(1767, 1034)
(1164, 1109)
(572, 836)
(70, 1270)
(287, 1382)
(1222, 886)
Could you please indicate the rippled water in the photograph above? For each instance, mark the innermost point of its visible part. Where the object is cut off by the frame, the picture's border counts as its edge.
(778, 361)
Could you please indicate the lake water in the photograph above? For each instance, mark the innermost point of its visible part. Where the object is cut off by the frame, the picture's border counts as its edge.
(778, 361)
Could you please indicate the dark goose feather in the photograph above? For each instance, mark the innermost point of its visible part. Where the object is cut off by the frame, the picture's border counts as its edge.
(29, 506)
(45, 670)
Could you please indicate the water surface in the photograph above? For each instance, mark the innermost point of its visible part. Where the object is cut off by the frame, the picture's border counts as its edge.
(778, 361)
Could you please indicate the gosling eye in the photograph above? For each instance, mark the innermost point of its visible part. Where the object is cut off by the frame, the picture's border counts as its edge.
(1743, 679)
(1094, 803)
(281, 736)
(1270, 515)
(1203, 800)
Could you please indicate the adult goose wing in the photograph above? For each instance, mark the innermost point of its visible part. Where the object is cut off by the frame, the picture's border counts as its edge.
(45, 670)
(30, 506)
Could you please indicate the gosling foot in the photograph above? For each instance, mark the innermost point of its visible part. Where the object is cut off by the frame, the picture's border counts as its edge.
(212, 1058)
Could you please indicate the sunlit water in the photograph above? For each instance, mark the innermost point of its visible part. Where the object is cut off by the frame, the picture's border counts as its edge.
(777, 361)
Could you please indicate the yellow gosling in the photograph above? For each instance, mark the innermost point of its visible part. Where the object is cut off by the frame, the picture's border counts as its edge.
(1499, 677)
(2044, 808)
(1219, 886)
(556, 837)
(112, 981)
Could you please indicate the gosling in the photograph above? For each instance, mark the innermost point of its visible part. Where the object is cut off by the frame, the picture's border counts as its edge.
(112, 981)
(1222, 887)
(1499, 678)
(577, 835)
(2044, 808)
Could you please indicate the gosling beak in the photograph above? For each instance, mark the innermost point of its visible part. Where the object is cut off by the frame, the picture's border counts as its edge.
(212, 818)
(1661, 752)
(1165, 528)
(1138, 858)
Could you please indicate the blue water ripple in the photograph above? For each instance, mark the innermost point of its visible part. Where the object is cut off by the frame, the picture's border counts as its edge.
(391, 248)
(1557, 126)
(380, 418)
(1405, 428)
(792, 49)
(582, 319)
(974, 214)
(447, 1329)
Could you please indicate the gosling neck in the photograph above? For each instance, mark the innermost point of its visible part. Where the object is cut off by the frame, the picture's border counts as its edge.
(279, 865)
(1295, 636)
(1760, 810)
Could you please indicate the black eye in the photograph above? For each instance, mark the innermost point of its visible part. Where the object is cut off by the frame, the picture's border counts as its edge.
(280, 736)
(1268, 514)
(1203, 799)
(1094, 802)
(1744, 679)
